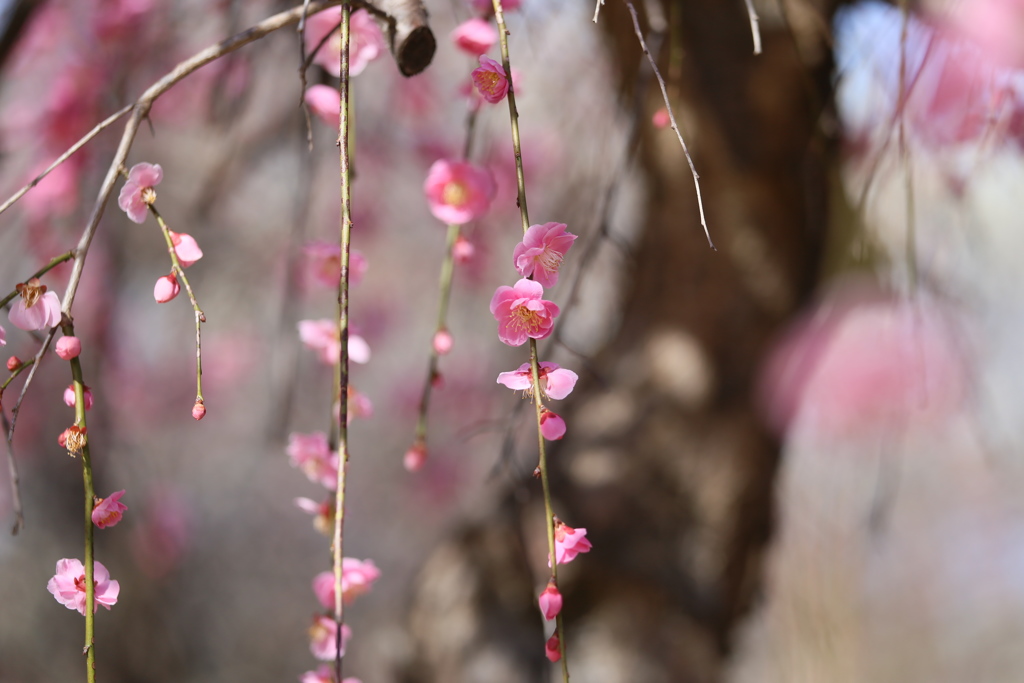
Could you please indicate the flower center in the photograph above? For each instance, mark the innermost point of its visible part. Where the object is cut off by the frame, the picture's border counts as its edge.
(455, 194)
(527, 319)
(488, 82)
(148, 195)
(80, 583)
(31, 291)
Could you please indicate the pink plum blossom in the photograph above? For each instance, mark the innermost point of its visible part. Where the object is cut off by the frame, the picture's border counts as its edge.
(661, 119)
(541, 252)
(312, 454)
(558, 381)
(323, 260)
(325, 102)
(552, 426)
(550, 601)
(70, 400)
(107, 511)
(463, 250)
(166, 288)
(490, 79)
(415, 457)
(443, 342)
(185, 248)
(137, 194)
(68, 585)
(475, 36)
(458, 191)
(323, 513)
(366, 42)
(552, 648)
(36, 309)
(322, 636)
(521, 312)
(357, 577)
(322, 336)
(323, 674)
(569, 542)
(66, 348)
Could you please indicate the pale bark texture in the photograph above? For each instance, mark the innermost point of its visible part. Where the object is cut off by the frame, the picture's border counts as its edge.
(666, 463)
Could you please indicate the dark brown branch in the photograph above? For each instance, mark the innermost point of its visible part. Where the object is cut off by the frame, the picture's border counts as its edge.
(408, 34)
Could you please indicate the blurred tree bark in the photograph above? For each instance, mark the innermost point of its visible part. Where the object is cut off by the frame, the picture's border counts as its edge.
(666, 463)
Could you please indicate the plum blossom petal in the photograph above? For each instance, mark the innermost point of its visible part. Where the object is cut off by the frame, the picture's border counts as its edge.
(569, 542)
(323, 264)
(322, 336)
(558, 381)
(324, 674)
(68, 585)
(475, 36)
(490, 79)
(107, 511)
(541, 252)
(552, 426)
(3, 337)
(312, 454)
(322, 635)
(366, 42)
(458, 191)
(325, 102)
(166, 288)
(357, 577)
(521, 312)
(36, 308)
(70, 399)
(185, 248)
(137, 194)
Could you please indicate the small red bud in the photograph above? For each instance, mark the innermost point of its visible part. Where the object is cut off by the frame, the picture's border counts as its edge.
(415, 457)
(199, 410)
(13, 363)
(552, 649)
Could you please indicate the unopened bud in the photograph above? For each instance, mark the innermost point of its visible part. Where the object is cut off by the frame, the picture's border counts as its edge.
(415, 457)
(166, 288)
(199, 410)
(463, 250)
(68, 347)
(13, 363)
(443, 342)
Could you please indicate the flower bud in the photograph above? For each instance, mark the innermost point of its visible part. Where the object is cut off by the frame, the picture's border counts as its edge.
(550, 601)
(68, 347)
(443, 342)
(415, 457)
(552, 649)
(199, 410)
(552, 427)
(13, 363)
(661, 118)
(166, 288)
(463, 250)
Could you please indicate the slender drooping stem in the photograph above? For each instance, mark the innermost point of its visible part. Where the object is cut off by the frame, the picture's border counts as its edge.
(524, 215)
(342, 379)
(908, 171)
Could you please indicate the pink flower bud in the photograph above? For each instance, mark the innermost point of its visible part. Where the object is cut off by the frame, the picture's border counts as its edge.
(166, 288)
(550, 601)
(69, 397)
(552, 650)
(661, 118)
(199, 410)
(13, 363)
(415, 457)
(552, 427)
(107, 511)
(68, 347)
(443, 342)
(463, 250)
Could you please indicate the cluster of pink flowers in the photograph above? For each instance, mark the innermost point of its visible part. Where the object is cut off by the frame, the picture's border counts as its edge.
(476, 36)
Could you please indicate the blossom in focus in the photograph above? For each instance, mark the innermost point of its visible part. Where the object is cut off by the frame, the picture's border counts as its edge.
(70, 400)
(541, 252)
(107, 511)
(458, 191)
(68, 585)
(552, 649)
(490, 80)
(311, 454)
(185, 248)
(66, 348)
(138, 193)
(325, 102)
(322, 635)
(569, 542)
(166, 288)
(521, 312)
(322, 336)
(36, 309)
(552, 426)
(323, 263)
(475, 36)
(357, 577)
(550, 601)
(366, 42)
(323, 674)
(558, 381)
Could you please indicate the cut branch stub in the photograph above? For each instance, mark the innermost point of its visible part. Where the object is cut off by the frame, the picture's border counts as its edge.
(409, 36)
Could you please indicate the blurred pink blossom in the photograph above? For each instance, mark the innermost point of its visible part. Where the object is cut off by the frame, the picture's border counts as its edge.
(323, 513)
(490, 79)
(322, 637)
(70, 400)
(185, 248)
(107, 511)
(661, 119)
(475, 36)
(323, 674)
(311, 454)
(66, 347)
(166, 288)
(463, 250)
(36, 309)
(415, 457)
(56, 194)
(486, 7)
(366, 42)
(323, 261)
(357, 578)
(325, 102)
(137, 194)
(552, 648)
(521, 312)
(161, 536)
(68, 585)
(322, 336)
(458, 191)
(541, 252)
(443, 342)
(569, 542)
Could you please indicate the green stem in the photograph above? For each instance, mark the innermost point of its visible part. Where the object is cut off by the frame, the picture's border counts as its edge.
(54, 262)
(15, 373)
(447, 273)
(342, 370)
(534, 360)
